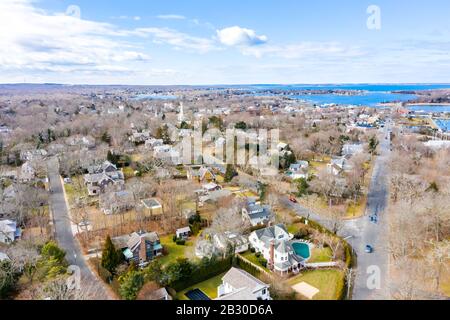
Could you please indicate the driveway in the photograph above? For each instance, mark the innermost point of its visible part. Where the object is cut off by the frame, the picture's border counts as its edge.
(63, 230)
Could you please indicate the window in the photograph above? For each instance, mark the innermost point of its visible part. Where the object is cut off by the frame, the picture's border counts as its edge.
(264, 291)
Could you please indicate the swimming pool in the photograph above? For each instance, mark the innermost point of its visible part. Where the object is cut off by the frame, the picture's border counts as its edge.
(302, 250)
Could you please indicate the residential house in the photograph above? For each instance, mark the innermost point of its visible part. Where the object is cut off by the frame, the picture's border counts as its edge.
(255, 213)
(139, 137)
(4, 257)
(156, 294)
(210, 187)
(239, 242)
(238, 284)
(205, 249)
(298, 170)
(30, 155)
(27, 172)
(102, 176)
(116, 202)
(274, 243)
(152, 143)
(200, 174)
(351, 149)
(339, 165)
(214, 196)
(9, 232)
(167, 153)
(183, 233)
(153, 207)
(140, 247)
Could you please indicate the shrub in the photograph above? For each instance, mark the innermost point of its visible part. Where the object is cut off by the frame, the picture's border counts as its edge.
(174, 238)
(181, 242)
(262, 261)
(201, 272)
(131, 284)
(252, 250)
(258, 254)
(302, 233)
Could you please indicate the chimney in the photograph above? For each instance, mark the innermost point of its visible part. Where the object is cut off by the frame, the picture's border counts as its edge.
(272, 255)
(143, 250)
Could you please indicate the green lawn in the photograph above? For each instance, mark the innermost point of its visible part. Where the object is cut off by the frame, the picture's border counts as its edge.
(209, 287)
(320, 255)
(253, 259)
(174, 251)
(72, 190)
(329, 282)
(128, 172)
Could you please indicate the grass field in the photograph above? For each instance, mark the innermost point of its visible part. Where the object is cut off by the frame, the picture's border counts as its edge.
(209, 287)
(320, 255)
(329, 282)
(175, 251)
(253, 259)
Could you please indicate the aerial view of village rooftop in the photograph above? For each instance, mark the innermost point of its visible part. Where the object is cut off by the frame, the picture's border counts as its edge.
(197, 150)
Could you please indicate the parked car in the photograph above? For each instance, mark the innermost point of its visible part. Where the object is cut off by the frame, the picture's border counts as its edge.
(292, 199)
(369, 249)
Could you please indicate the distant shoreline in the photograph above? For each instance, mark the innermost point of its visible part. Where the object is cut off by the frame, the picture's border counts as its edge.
(428, 104)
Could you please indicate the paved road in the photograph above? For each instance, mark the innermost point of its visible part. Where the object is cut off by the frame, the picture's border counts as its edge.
(361, 231)
(63, 229)
(374, 234)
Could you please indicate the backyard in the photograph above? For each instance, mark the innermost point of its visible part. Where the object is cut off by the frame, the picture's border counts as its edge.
(175, 251)
(330, 283)
(209, 287)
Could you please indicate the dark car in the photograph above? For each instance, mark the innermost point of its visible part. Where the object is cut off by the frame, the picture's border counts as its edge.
(369, 249)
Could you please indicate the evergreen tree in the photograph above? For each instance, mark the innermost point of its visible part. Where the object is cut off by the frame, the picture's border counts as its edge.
(110, 256)
(302, 187)
(230, 173)
(106, 138)
(131, 284)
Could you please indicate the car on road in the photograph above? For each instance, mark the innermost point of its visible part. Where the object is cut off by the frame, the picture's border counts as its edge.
(369, 249)
(292, 199)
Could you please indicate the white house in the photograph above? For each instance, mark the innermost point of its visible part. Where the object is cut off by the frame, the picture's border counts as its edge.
(274, 243)
(255, 213)
(339, 165)
(238, 241)
(9, 231)
(27, 172)
(238, 284)
(298, 170)
(352, 148)
(183, 233)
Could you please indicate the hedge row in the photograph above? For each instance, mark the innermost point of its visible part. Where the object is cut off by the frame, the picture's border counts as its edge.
(250, 268)
(202, 274)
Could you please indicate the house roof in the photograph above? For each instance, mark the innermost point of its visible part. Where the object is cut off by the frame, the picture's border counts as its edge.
(151, 203)
(184, 230)
(8, 226)
(135, 239)
(3, 256)
(243, 283)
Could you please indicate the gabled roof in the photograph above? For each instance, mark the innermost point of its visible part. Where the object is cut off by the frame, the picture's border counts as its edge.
(135, 239)
(243, 283)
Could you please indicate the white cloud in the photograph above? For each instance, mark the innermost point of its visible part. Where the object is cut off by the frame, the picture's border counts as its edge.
(237, 36)
(304, 50)
(171, 17)
(32, 39)
(178, 39)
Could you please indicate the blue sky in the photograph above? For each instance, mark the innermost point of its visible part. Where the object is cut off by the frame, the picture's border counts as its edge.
(223, 42)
